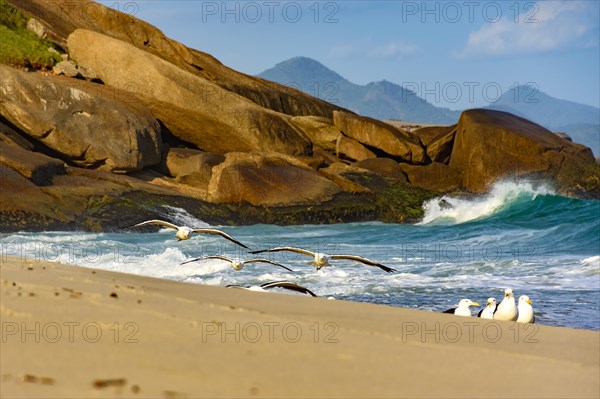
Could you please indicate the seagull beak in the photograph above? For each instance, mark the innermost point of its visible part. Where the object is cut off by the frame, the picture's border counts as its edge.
(475, 304)
(488, 303)
(529, 301)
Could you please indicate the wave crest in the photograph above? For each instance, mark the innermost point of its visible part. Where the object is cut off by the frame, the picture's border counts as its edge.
(449, 210)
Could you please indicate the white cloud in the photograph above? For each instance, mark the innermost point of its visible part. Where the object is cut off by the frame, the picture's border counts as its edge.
(393, 49)
(389, 50)
(342, 51)
(552, 25)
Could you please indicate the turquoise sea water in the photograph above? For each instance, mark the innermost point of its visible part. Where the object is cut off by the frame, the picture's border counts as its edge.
(519, 236)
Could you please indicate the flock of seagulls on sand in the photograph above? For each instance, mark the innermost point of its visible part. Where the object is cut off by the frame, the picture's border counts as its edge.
(505, 310)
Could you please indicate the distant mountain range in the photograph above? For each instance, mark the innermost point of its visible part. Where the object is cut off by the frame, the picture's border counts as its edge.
(581, 122)
(387, 100)
(381, 100)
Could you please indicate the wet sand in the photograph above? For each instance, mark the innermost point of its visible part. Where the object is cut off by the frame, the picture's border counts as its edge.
(70, 331)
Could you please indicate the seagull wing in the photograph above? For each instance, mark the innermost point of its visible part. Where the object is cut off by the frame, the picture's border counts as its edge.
(219, 233)
(207, 257)
(289, 249)
(288, 285)
(480, 312)
(449, 311)
(262, 260)
(159, 222)
(365, 261)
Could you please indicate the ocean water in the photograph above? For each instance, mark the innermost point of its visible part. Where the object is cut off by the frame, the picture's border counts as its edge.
(520, 236)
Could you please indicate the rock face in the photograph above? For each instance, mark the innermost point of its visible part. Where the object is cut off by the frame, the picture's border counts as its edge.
(36, 167)
(352, 149)
(267, 179)
(321, 131)
(66, 68)
(435, 176)
(227, 147)
(65, 16)
(490, 145)
(438, 140)
(381, 136)
(192, 108)
(37, 27)
(383, 167)
(81, 124)
(192, 167)
(185, 161)
(70, 69)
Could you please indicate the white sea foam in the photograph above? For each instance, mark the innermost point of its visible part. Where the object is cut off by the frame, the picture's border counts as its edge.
(460, 210)
(181, 217)
(593, 260)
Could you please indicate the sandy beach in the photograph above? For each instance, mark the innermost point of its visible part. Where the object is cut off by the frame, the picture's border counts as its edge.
(71, 332)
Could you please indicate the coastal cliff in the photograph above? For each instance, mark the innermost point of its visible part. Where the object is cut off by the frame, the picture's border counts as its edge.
(119, 121)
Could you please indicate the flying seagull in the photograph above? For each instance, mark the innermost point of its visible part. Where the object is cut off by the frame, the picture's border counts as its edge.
(321, 260)
(184, 232)
(525, 310)
(506, 310)
(463, 308)
(288, 285)
(238, 264)
(489, 310)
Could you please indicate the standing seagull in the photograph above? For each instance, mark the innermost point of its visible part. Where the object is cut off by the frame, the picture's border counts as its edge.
(321, 260)
(463, 308)
(288, 285)
(507, 310)
(238, 264)
(184, 232)
(489, 310)
(525, 310)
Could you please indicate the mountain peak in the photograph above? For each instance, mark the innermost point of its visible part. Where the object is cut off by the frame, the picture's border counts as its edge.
(381, 100)
(301, 71)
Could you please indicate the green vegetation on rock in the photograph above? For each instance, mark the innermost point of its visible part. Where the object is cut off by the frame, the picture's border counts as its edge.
(19, 46)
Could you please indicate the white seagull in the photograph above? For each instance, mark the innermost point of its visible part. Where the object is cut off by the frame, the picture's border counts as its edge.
(184, 232)
(463, 308)
(525, 310)
(274, 284)
(507, 310)
(321, 260)
(489, 310)
(238, 264)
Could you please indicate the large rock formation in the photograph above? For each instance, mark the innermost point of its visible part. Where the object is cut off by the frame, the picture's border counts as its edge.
(192, 167)
(38, 168)
(192, 108)
(438, 141)
(383, 167)
(83, 123)
(321, 131)
(268, 179)
(491, 145)
(347, 148)
(229, 148)
(436, 176)
(396, 143)
(63, 17)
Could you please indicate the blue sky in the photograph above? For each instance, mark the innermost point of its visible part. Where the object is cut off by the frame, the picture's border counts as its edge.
(455, 54)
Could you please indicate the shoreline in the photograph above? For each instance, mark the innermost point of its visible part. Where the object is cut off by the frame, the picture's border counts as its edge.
(70, 331)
